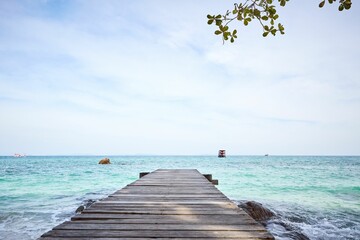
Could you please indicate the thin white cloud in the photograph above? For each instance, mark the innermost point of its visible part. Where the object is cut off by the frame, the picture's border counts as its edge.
(151, 78)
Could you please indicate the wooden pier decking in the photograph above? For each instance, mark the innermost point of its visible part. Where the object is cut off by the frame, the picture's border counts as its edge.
(166, 204)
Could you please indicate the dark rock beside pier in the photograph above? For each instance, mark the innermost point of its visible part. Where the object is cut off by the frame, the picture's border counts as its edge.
(86, 204)
(257, 211)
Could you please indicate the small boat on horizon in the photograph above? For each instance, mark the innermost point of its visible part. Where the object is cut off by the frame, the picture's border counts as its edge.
(18, 155)
(266, 155)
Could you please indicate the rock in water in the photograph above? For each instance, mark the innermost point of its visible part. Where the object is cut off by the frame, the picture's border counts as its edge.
(80, 209)
(104, 161)
(89, 202)
(257, 211)
(265, 216)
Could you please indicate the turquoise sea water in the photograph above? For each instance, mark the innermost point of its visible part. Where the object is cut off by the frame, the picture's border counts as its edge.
(317, 196)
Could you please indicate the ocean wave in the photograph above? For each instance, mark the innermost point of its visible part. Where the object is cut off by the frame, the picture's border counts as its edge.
(301, 223)
(32, 224)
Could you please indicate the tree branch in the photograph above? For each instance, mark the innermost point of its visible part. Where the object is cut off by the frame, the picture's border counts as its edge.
(262, 10)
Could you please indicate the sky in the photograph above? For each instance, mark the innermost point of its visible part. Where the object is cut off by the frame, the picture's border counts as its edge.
(151, 78)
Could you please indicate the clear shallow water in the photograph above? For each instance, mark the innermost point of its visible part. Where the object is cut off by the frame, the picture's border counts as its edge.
(317, 196)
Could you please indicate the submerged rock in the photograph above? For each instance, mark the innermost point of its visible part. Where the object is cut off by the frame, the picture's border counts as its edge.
(104, 161)
(80, 209)
(86, 204)
(257, 211)
(89, 202)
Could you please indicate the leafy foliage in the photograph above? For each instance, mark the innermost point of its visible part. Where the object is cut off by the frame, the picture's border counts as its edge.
(263, 11)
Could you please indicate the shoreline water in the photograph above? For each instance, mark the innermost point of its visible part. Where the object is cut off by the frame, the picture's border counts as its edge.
(316, 195)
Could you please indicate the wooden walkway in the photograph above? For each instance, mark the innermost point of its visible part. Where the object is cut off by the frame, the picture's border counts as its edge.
(167, 204)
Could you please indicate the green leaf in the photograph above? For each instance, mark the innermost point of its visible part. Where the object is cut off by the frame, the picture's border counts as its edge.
(265, 18)
(347, 5)
(209, 16)
(218, 16)
(281, 27)
(210, 21)
(232, 40)
(218, 32)
(322, 4)
(341, 7)
(265, 34)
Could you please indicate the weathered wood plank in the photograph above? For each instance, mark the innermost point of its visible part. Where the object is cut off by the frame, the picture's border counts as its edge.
(136, 238)
(160, 234)
(136, 219)
(185, 218)
(164, 212)
(174, 227)
(209, 221)
(191, 201)
(169, 195)
(165, 206)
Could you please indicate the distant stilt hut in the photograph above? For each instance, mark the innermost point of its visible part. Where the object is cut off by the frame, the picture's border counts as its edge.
(222, 154)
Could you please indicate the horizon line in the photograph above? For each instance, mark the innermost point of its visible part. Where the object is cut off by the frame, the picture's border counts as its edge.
(185, 155)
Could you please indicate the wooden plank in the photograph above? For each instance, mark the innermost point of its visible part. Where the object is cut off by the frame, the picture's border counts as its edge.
(163, 208)
(159, 234)
(169, 208)
(161, 212)
(142, 238)
(197, 195)
(169, 195)
(184, 217)
(166, 199)
(155, 191)
(180, 227)
(162, 186)
(210, 221)
(165, 204)
(139, 201)
(158, 219)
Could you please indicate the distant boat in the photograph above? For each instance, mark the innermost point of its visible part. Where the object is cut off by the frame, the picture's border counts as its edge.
(266, 155)
(222, 154)
(18, 155)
